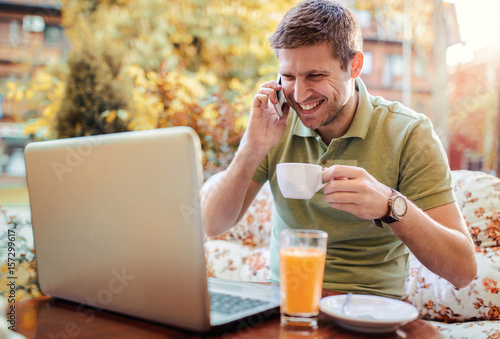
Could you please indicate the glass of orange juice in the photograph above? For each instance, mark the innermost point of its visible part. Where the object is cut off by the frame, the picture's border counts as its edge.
(302, 266)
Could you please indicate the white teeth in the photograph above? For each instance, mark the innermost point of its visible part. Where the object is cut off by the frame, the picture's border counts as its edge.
(310, 106)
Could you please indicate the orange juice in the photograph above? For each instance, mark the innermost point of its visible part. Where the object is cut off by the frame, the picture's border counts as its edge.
(301, 279)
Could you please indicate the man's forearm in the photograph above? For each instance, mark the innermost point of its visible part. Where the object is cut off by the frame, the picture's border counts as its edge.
(447, 250)
(225, 196)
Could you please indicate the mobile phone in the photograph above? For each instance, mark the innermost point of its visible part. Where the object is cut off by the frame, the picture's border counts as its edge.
(281, 98)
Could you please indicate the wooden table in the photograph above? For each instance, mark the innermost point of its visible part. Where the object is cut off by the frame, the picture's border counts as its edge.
(50, 318)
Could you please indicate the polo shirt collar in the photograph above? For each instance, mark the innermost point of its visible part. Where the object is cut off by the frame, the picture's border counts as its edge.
(301, 130)
(360, 123)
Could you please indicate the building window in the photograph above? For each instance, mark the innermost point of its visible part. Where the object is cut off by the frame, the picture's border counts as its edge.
(368, 63)
(393, 71)
(14, 33)
(419, 69)
(17, 35)
(33, 23)
(53, 34)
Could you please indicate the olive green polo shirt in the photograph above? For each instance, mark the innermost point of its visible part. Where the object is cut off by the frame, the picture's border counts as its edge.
(395, 145)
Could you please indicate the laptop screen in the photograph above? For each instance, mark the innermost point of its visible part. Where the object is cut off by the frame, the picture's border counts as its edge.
(117, 223)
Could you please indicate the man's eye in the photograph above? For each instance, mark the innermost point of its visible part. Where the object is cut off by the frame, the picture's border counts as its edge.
(315, 76)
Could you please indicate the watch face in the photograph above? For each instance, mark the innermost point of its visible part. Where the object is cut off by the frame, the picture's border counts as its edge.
(399, 206)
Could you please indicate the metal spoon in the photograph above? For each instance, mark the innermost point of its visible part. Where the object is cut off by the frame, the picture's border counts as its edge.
(345, 308)
(346, 311)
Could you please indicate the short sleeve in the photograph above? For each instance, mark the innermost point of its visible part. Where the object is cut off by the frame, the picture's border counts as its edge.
(262, 174)
(425, 176)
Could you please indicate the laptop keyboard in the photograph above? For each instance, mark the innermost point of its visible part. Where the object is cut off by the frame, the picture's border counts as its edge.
(227, 304)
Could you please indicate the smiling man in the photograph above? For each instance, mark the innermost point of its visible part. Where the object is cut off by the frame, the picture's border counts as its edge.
(389, 184)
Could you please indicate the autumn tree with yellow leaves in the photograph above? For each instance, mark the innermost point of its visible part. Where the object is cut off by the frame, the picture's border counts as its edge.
(149, 64)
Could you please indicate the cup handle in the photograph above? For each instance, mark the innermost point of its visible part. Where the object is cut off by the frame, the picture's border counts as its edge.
(321, 184)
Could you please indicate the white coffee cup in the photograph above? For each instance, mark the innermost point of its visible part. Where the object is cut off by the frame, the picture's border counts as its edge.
(299, 180)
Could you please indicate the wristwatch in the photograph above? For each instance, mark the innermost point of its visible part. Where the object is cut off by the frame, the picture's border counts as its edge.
(397, 209)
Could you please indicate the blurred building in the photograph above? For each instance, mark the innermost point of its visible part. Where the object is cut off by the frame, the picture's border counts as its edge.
(474, 94)
(30, 36)
(383, 74)
(468, 105)
(386, 62)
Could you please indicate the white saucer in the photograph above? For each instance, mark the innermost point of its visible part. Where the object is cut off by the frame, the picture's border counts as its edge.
(369, 313)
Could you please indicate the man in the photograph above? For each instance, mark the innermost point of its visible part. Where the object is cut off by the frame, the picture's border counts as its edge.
(387, 165)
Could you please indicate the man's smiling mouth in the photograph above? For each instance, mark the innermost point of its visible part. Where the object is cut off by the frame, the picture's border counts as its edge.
(308, 107)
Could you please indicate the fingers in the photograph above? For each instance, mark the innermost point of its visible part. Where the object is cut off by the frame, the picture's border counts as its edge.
(356, 203)
(272, 85)
(348, 179)
(266, 96)
(261, 100)
(342, 186)
(355, 191)
(342, 172)
(269, 89)
(346, 207)
(341, 197)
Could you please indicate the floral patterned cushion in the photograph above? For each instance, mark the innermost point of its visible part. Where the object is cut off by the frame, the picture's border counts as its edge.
(233, 261)
(256, 266)
(242, 253)
(254, 229)
(475, 329)
(437, 299)
(478, 196)
(225, 259)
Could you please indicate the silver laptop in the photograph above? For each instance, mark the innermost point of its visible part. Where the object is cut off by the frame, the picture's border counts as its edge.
(117, 226)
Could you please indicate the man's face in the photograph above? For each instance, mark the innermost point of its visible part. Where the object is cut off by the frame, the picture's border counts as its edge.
(314, 84)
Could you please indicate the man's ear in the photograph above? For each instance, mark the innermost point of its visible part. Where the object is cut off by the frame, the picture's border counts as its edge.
(357, 64)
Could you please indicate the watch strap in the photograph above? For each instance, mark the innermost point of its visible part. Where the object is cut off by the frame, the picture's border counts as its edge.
(378, 223)
(388, 219)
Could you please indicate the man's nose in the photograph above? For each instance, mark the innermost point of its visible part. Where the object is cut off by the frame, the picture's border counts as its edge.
(301, 91)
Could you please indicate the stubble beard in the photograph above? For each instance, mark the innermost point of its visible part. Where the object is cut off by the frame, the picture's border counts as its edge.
(333, 115)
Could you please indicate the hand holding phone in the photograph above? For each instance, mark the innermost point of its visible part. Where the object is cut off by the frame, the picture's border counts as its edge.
(281, 98)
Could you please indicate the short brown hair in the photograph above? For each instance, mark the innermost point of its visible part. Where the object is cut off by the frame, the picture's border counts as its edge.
(320, 21)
